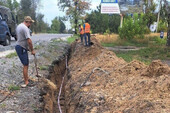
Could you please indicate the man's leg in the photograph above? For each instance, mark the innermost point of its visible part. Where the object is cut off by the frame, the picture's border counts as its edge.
(85, 38)
(81, 38)
(23, 56)
(25, 74)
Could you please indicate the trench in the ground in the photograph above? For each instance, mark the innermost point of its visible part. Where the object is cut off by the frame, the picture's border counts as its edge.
(50, 95)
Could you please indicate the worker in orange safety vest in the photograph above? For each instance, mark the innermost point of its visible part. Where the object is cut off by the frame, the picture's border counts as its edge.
(86, 27)
(81, 31)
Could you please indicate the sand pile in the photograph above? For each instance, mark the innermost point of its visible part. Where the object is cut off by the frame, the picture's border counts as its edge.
(157, 69)
(115, 86)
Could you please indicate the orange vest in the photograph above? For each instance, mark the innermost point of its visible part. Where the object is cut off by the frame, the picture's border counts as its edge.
(82, 30)
(87, 28)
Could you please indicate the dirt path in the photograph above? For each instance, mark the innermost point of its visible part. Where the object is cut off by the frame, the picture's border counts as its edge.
(124, 48)
(26, 100)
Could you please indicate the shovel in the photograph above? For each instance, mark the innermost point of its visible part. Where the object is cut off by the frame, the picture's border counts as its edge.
(35, 61)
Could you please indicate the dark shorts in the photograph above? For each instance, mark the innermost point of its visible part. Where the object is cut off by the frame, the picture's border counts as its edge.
(22, 54)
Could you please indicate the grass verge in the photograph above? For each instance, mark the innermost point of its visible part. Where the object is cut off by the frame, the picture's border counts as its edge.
(146, 55)
(72, 39)
(154, 49)
(11, 55)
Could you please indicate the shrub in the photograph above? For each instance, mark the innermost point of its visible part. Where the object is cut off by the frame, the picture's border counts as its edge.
(162, 26)
(133, 27)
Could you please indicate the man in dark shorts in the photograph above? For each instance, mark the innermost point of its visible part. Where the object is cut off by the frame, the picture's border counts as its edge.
(23, 45)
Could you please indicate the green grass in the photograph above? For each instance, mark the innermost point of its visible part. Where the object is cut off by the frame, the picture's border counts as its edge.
(72, 39)
(11, 55)
(138, 42)
(146, 55)
(120, 42)
(13, 88)
(154, 49)
(37, 47)
(2, 105)
(43, 67)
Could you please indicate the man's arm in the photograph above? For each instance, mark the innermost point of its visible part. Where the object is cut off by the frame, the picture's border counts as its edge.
(30, 46)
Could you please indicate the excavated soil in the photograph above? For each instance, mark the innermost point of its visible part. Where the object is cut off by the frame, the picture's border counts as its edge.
(100, 82)
(115, 86)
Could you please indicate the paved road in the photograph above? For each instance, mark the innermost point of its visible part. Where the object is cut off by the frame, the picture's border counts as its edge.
(45, 37)
(35, 38)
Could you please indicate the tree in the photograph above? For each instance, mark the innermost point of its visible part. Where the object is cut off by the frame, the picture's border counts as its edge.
(100, 23)
(150, 8)
(10, 5)
(168, 31)
(29, 8)
(62, 25)
(133, 27)
(13, 5)
(34, 6)
(42, 27)
(3, 2)
(26, 7)
(75, 9)
(167, 7)
(55, 27)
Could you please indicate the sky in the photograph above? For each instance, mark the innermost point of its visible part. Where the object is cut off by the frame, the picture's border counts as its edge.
(50, 10)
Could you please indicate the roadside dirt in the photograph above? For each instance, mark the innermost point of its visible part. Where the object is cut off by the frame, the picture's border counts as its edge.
(27, 100)
(115, 86)
(96, 81)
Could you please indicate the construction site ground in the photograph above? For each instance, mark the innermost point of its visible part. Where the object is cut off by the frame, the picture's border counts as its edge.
(95, 81)
(100, 82)
(26, 100)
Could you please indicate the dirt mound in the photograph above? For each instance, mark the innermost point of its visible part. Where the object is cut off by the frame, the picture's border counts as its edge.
(85, 53)
(157, 68)
(133, 67)
(100, 82)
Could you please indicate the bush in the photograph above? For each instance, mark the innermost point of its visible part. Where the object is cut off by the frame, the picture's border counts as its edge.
(133, 27)
(159, 41)
(162, 26)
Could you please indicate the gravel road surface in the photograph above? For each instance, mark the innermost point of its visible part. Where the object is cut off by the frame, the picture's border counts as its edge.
(35, 38)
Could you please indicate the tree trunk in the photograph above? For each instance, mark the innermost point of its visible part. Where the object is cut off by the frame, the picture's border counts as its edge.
(76, 19)
(168, 31)
(76, 25)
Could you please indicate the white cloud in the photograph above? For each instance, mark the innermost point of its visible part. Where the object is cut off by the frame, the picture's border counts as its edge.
(94, 4)
(50, 10)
